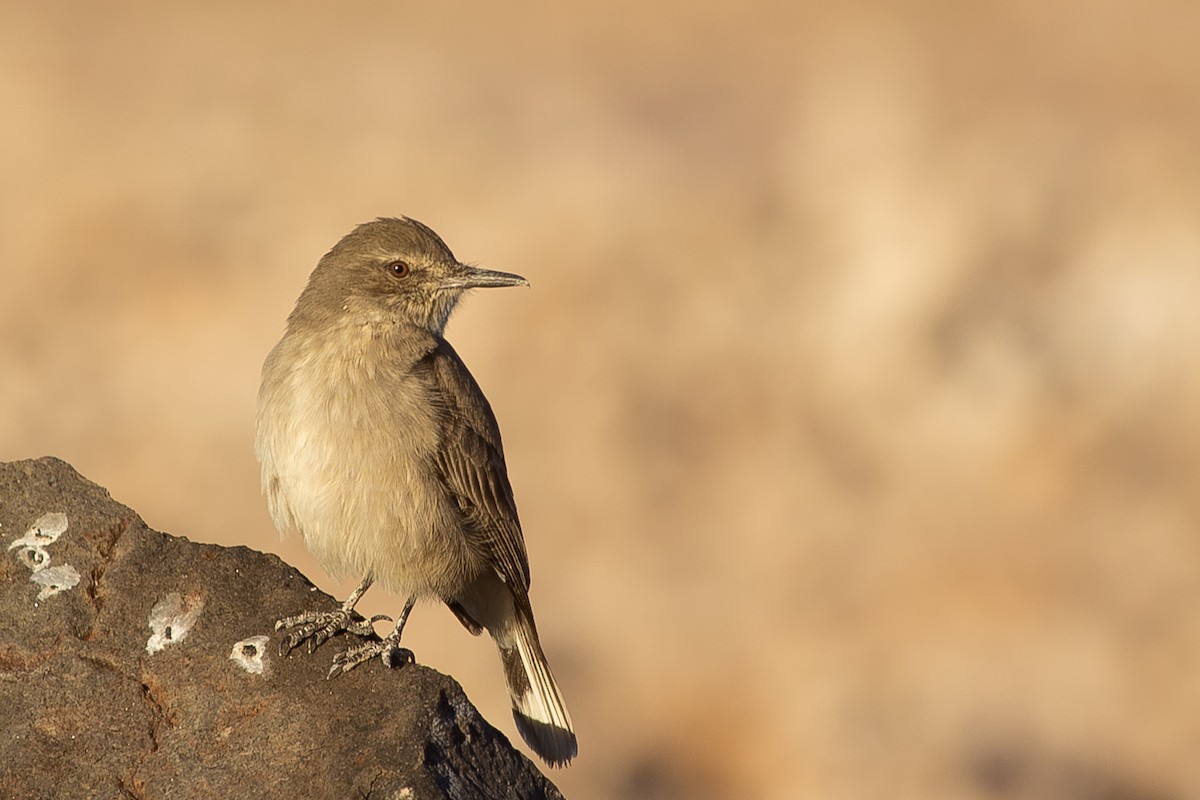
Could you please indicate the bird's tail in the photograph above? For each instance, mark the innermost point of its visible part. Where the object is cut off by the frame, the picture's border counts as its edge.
(538, 707)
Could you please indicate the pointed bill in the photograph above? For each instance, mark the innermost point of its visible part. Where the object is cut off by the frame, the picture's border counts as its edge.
(465, 277)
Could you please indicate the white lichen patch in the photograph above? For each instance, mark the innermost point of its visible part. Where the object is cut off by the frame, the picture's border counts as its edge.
(31, 551)
(32, 543)
(45, 530)
(55, 579)
(34, 557)
(172, 619)
(248, 654)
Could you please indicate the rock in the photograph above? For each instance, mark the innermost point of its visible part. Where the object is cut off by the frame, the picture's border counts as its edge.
(136, 664)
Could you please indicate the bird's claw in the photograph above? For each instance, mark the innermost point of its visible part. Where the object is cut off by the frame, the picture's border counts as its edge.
(392, 655)
(317, 627)
(366, 627)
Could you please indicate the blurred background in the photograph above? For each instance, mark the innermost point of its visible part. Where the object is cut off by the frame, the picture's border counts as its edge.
(852, 415)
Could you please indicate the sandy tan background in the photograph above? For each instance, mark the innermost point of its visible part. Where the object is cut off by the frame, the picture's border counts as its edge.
(853, 414)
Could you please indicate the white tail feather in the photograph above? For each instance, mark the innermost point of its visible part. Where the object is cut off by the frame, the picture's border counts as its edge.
(538, 707)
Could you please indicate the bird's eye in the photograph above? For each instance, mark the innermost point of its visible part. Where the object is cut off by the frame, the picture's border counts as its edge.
(399, 268)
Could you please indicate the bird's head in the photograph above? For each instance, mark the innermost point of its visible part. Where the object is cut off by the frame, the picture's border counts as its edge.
(393, 269)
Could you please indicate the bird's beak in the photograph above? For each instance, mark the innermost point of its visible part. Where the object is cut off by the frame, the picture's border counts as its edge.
(466, 277)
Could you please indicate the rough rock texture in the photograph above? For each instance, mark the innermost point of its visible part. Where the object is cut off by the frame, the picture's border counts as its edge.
(141, 665)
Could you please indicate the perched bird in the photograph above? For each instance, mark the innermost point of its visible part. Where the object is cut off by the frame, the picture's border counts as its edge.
(378, 446)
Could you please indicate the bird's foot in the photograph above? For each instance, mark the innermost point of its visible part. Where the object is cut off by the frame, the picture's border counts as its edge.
(318, 626)
(388, 649)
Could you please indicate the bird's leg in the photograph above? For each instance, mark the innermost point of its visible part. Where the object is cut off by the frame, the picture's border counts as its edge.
(388, 649)
(318, 626)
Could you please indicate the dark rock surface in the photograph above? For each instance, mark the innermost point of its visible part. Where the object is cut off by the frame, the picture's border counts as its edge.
(129, 667)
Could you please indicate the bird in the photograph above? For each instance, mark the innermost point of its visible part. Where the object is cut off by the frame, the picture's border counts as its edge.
(379, 448)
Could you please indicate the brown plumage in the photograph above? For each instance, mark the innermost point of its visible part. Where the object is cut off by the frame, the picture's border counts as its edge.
(379, 448)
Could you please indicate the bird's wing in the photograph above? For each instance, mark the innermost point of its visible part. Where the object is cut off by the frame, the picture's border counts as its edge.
(470, 462)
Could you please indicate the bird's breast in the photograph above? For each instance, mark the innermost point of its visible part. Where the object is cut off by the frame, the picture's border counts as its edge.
(347, 438)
